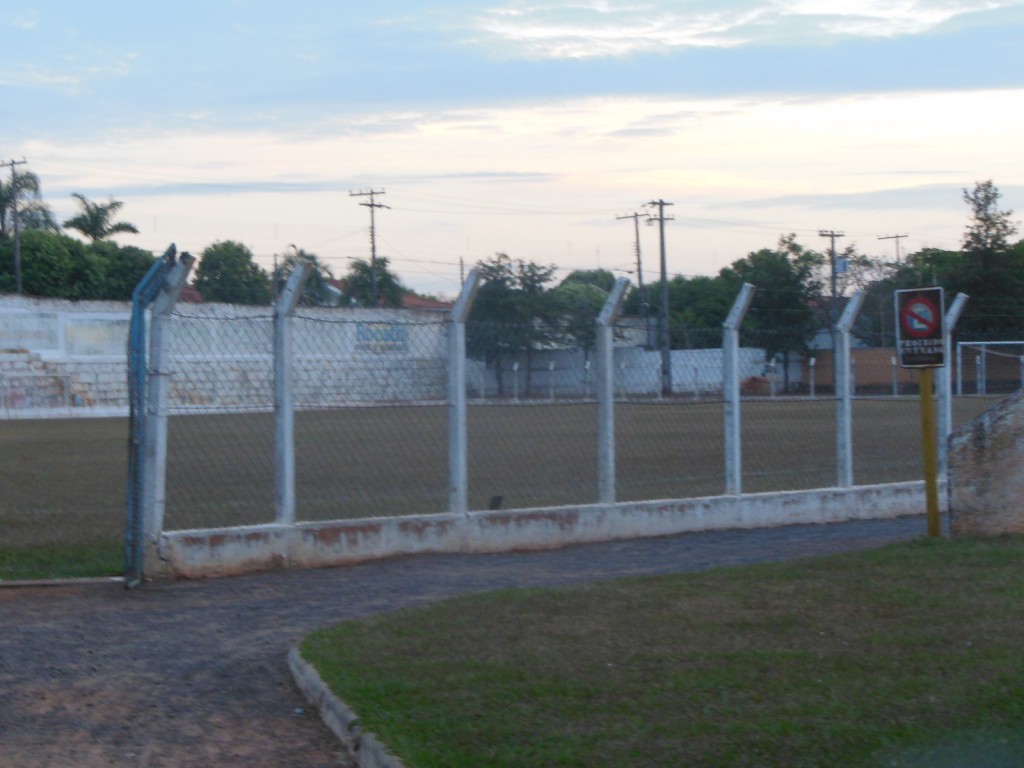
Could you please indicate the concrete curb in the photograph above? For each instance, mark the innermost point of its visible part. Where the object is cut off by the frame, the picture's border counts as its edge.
(365, 748)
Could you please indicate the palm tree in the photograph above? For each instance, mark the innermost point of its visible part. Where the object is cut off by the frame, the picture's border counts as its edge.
(95, 219)
(374, 285)
(318, 292)
(33, 213)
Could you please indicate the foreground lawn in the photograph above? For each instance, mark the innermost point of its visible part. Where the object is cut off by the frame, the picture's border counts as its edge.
(905, 656)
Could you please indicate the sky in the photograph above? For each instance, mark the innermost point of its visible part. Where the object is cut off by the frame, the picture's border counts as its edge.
(526, 127)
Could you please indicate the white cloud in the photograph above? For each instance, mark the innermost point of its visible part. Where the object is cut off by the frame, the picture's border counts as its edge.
(546, 181)
(33, 76)
(22, 22)
(596, 29)
(589, 30)
(885, 18)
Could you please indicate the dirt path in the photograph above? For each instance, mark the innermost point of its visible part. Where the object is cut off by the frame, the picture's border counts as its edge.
(194, 673)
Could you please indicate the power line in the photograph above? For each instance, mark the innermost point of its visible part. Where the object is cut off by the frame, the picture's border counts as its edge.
(833, 237)
(14, 215)
(644, 303)
(833, 303)
(666, 355)
(373, 205)
(897, 239)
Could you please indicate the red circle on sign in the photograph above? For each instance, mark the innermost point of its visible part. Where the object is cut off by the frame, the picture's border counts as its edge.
(920, 317)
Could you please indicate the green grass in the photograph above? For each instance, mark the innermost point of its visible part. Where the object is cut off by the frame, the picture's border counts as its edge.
(62, 486)
(62, 481)
(904, 656)
(62, 560)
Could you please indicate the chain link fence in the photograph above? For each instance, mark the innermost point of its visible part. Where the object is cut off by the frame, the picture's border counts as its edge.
(368, 395)
(372, 430)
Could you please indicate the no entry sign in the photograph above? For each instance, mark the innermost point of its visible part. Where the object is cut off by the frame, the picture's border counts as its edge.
(920, 328)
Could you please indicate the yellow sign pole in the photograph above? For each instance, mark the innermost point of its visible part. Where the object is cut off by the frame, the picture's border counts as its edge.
(929, 446)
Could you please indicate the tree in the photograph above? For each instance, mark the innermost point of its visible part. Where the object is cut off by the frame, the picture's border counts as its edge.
(364, 281)
(990, 229)
(987, 268)
(96, 219)
(991, 271)
(228, 273)
(781, 317)
(876, 324)
(122, 267)
(318, 291)
(697, 308)
(512, 313)
(579, 299)
(33, 213)
(600, 278)
(61, 267)
(53, 266)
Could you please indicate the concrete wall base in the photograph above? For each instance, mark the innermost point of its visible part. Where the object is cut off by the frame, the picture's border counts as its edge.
(226, 551)
(985, 480)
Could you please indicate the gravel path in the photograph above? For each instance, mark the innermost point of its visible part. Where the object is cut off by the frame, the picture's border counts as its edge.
(193, 673)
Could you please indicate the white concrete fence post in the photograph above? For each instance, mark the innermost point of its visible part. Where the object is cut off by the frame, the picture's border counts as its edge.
(945, 382)
(959, 370)
(284, 404)
(731, 390)
(606, 391)
(844, 391)
(458, 430)
(154, 480)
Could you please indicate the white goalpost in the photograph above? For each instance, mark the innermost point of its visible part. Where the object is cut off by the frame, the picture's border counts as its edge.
(997, 365)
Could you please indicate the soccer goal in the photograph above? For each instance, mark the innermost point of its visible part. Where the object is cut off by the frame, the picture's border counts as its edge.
(989, 367)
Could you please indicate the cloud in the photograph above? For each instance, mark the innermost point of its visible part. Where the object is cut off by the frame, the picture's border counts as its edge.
(587, 30)
(24, 22)
(281, 186)
(76, 72)
(42, 78)
(928, 196)
(579, 30)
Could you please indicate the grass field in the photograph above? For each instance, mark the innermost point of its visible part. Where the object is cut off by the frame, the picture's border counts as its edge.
(63, 481)
(905, 656)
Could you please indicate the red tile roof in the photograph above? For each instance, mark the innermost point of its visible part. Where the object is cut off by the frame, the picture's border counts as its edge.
(412, 301)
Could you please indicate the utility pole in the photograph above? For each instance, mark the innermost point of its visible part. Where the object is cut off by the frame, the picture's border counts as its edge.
(666, 354)
(372, 205)
(644, 303)
(897, 238)
(14, 209)
(833, 304)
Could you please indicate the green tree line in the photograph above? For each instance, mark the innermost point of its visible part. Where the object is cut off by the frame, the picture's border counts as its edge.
(54, 264)
(520, 307)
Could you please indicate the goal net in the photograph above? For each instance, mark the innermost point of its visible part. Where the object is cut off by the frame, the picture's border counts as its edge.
(989, 367)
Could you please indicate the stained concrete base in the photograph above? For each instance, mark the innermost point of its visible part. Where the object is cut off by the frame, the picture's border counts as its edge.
(224, 551)
(986, 472)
